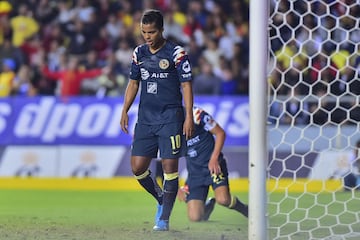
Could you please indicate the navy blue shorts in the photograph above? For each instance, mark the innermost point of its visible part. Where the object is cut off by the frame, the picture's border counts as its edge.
(199, 186)
(166, 139)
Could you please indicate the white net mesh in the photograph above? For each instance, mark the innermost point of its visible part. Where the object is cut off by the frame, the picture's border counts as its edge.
(314, 116)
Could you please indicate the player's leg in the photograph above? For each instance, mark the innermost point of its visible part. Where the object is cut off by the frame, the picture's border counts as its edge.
(208, 208)
(224, 198)
(195, 210)
(140, 169)
(171, 146)
(170, 186)
(144, 148)
(196, 200)
(222, 192)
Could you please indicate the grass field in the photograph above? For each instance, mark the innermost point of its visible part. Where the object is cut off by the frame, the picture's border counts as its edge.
(129, 214)
(63, 214)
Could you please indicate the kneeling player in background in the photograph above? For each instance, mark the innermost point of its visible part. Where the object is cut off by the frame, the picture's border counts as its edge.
(207, 167)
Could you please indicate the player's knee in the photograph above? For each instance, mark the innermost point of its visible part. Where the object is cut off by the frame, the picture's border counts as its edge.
(137, 170)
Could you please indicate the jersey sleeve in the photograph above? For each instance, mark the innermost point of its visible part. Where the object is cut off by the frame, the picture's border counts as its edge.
(135, 65)
(182, 64)
(203, 119)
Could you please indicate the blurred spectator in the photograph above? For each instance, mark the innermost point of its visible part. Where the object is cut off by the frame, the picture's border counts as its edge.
(113, 27)
(66, 12)
(196, 9)
(91, 60)
(55, 55)
(288, 55)
(7, 77)
(23, 26)
(52, 33)
(79, 37)
(103, 10)
(189, 28)
(7, 50)
(319, 63)
(89, 86)
(84, 11)
(114, 83)
(71, 77)
(195, 55)
(5, 28)
(240, 66)
(5, 7)
(174, 29)
(22, 85)
(206, 83)
(228, 83)
(355, 83)
(295, 109)
(33, 50)
(123, 55)
(45, 12)
(212, 53)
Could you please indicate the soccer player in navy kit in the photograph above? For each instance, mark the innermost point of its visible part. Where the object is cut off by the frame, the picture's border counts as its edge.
(207, 167)
(163, 70)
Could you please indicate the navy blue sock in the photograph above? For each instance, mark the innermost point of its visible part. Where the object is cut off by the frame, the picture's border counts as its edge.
(151, 186)
(237, 205)
(170, 191)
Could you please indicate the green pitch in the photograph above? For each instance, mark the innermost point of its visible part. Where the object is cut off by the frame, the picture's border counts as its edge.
(95, 215)
(122, 215)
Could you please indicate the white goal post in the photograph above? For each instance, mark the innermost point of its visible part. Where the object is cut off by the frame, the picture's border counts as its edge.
(257, 105)
(304, 119)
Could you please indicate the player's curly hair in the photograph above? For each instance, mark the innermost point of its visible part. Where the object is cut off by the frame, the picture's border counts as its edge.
(153, 16)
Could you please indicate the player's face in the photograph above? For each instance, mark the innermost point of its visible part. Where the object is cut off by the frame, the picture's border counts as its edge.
(152, 35)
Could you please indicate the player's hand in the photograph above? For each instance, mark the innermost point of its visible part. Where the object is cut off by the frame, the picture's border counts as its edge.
(214, 167)
(182, 193)
(188, 128)
(124, 122)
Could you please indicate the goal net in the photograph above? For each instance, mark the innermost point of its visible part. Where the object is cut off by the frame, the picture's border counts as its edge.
(313, 119)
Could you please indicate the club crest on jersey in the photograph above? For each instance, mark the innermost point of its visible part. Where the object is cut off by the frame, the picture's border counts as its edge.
(151, 87)
(186, 66)
(164, 64)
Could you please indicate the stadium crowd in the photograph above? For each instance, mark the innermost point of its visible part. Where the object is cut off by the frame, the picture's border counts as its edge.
(314, 59)
(84, 47)
(317, 68)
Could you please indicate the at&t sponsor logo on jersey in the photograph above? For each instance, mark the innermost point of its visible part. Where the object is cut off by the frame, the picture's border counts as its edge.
(93, 121)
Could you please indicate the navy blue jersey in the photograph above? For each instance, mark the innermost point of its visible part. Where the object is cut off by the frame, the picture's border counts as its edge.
(201, 144)
(161, 74)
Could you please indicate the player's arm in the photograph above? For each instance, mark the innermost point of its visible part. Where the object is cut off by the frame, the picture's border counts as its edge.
(220, 136)
(130, 94)
(188, 127)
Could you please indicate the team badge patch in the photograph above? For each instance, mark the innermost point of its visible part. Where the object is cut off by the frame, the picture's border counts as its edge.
(164, 64)
(186, 66)
(151, 87)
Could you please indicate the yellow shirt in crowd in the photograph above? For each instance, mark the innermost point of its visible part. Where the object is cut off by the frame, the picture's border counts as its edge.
(23, 28)
(6, 80)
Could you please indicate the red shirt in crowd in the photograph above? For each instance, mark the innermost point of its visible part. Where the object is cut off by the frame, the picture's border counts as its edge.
(71, 80)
